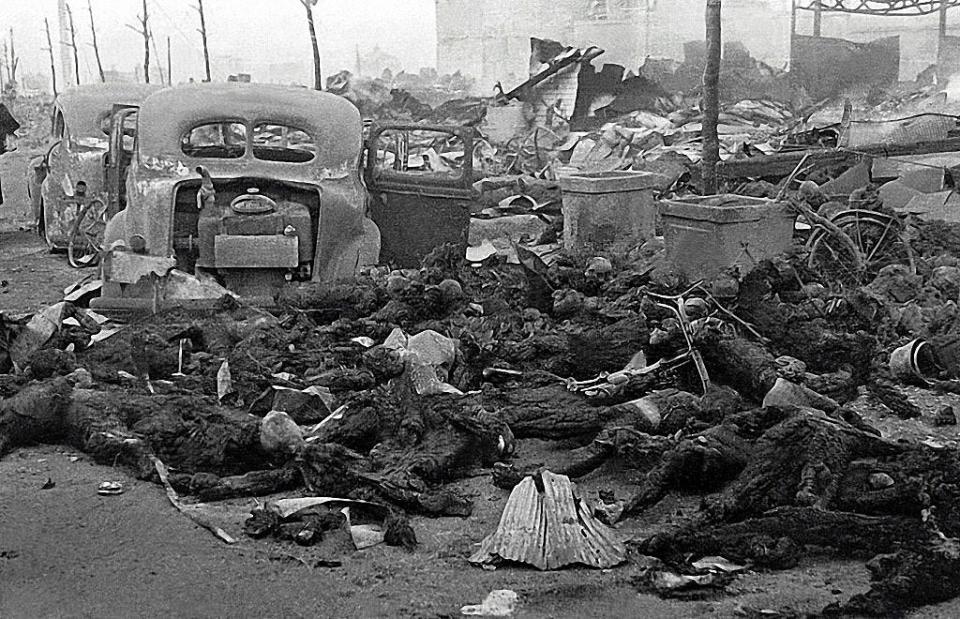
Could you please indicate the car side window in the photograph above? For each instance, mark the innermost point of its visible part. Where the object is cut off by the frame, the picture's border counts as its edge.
(216, 140)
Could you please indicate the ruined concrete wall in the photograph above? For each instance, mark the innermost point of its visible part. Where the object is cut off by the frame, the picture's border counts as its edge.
(489, 39)
(918, 35)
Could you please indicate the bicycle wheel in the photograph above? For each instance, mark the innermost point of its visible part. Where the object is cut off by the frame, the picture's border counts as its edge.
(878, 238)
(86, 239)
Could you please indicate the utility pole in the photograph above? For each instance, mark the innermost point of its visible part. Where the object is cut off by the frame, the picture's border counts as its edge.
(711, 100)
(817, 18)
(144, 31)
(317, 75)
(169, 69)
(53, 66)
(203, 35)
(73, 45)
(96, 48)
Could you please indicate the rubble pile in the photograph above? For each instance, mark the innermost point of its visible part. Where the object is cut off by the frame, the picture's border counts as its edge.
(759, 390)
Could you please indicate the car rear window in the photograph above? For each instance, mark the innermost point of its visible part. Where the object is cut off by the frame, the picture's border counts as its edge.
(274, 142)
(219, 140)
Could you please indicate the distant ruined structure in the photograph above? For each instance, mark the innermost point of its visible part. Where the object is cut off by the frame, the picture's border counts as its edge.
(490, 39)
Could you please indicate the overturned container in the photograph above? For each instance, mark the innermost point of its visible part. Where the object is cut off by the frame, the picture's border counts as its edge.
(705, 235)
(914, 362)
(608, 212)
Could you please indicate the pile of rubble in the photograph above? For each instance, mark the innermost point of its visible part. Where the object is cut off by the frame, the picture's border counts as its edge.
(762, 391)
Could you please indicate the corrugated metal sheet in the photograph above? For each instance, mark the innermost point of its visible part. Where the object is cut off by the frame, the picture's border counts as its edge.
(550, 529)
(912, 130)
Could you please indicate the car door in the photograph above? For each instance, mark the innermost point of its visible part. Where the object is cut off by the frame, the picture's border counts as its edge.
(420, 179)
(117, 159)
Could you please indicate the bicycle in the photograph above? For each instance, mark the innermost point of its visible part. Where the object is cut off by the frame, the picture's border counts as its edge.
(86, 238)
(879, 239)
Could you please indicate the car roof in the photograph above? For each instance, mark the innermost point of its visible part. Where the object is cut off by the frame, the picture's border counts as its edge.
(84, 106)
(166, 116)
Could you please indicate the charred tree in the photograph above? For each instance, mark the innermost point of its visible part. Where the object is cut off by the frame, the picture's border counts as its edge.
(96, 47)
(73, 46)
(144, 31)
(14, 60)
(53, 66)
(317, 75)
(156, 53)
(203, 37)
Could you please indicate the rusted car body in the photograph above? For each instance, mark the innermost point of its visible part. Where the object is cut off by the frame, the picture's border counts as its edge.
(80, 126)
(258, 187)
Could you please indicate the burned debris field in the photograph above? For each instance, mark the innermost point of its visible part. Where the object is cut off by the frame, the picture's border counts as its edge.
(677, 339)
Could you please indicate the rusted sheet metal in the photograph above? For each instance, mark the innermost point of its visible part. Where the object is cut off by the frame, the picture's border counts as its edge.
(550, 529)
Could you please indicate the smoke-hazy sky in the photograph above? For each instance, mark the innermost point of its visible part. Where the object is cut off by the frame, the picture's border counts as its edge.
(242, 34)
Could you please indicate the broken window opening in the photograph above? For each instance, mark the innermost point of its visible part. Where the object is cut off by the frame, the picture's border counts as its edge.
(274, 142)
(420, 152)
(216, 140)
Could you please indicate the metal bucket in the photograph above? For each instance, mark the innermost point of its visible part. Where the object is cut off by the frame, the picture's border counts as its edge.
(913, 361)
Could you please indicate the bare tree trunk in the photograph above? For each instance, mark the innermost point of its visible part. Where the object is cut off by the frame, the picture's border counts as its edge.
(317, 75)
(96, 48)
(203, 35)
(14, 60)
(144, 22)
(156, 53)
(169, 65)
(711, 100)
(53, 66)
(73, 45)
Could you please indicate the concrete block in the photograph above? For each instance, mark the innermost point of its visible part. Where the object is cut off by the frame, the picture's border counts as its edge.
(942, 206)
(606, 212)
(706, 235)
(895, 194)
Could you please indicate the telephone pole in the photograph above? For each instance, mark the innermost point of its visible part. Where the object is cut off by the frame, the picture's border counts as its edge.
(711, 100)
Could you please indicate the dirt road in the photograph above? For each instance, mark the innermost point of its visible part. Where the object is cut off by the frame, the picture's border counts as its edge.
(30, 276)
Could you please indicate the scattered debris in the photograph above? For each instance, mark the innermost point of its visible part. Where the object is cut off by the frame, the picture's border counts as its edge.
(546, 525)
(498, 603)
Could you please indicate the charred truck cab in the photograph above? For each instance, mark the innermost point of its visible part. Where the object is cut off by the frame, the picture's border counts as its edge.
(253, 185)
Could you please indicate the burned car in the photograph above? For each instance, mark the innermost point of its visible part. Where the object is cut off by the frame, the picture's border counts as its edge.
(257, 187)
(74, 162)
